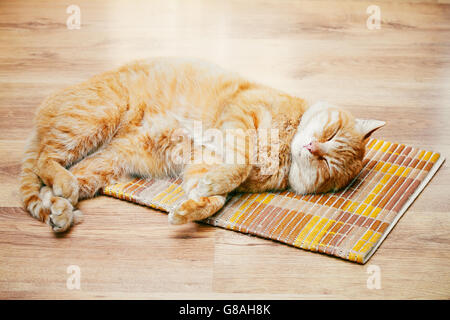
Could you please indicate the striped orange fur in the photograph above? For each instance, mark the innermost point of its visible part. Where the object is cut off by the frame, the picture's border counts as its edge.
(138, 119)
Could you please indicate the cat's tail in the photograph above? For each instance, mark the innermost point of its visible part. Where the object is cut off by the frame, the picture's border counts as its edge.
(30, 183)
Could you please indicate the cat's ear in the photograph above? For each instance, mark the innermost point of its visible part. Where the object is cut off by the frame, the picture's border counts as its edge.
(367, 127)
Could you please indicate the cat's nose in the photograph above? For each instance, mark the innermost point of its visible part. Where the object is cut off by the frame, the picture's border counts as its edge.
(314, 148)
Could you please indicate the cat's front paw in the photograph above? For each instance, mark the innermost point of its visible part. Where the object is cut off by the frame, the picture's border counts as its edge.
(176, 218)
(194, 210)
(209, 186)
(185, 212)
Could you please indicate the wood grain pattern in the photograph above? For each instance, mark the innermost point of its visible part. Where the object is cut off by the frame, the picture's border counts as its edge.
(315, 49)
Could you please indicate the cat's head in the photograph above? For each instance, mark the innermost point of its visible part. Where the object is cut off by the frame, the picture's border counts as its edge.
(328, 148)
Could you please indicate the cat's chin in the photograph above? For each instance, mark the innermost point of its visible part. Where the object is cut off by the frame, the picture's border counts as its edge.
(298, 183)
(301, 189)
(298, 190)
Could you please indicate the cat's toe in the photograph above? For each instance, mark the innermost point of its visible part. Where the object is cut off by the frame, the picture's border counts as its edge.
(176, 219)
(62, 215)
(195, 210)
(184, 213)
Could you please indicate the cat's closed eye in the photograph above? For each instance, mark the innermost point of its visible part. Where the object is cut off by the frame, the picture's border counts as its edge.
(335, 141)
(333, 135)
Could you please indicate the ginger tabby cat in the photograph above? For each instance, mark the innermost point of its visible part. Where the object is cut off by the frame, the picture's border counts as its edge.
(136, 120)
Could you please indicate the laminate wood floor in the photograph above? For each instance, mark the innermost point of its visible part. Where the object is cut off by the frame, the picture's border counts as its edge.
(319, 50)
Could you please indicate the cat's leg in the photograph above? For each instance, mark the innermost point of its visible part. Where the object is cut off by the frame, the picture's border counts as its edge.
(66, 141)
(196, 207)
(57, 148)
(208, 183)
(103, 167)
(86, 177)
(98, 170)
(59, 195)
(229, 161)
(207, 187)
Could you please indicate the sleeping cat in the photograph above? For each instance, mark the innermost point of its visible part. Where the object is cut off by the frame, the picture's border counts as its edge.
(124, 122)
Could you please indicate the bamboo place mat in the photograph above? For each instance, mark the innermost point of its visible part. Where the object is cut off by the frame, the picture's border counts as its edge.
(350, 224)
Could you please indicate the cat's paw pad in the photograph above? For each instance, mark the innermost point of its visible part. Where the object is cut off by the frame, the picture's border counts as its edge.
(62, 215)
(66, 186)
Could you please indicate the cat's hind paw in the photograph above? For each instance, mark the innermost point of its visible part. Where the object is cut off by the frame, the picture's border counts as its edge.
(62, 214)
(66, 186)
